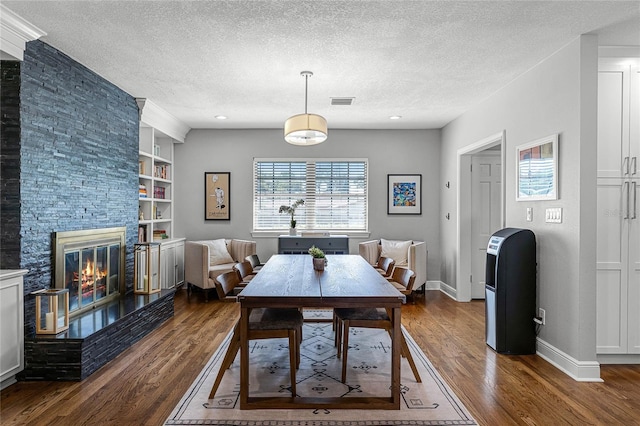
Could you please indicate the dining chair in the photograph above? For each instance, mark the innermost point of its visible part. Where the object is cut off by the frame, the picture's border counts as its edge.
(228, 286)
(403, 280)
(255, 262)
(367, 318)
(385, 266)
(346, 318)
(267, 323)
(245, 271)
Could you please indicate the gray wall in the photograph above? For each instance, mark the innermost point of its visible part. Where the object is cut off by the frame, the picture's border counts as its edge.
(388, 151)
(556, 96)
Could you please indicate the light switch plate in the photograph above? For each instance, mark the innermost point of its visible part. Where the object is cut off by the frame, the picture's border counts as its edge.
(529, 214)
(553, 215)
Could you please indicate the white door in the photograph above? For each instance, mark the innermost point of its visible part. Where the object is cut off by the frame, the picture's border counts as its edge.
(612, 254)
(613, 116)
(634, 267)
(634, 214)
(486, 189)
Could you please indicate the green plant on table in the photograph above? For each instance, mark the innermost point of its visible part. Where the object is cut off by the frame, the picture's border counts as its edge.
(316, 253)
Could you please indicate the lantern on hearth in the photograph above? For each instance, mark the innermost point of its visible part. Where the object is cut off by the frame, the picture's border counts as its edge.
(146, 265)
(52, 310)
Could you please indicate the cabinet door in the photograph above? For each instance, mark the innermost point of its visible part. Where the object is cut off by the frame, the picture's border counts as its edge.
(612, 267)
(179, 256)
(168, 266)
(613, 121)
(12, 330)
(634, 268)
(634, 124)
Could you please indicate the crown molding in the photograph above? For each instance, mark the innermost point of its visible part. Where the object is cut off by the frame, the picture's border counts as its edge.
(15, 32)
(152, 115)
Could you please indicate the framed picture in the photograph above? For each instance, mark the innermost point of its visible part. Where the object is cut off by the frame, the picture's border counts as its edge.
(537, 169)
(404, 194)
(217, 204)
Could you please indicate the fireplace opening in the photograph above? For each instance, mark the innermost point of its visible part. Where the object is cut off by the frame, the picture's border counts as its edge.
(90, 263)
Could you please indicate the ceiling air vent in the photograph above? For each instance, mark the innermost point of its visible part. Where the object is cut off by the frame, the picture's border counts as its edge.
(342, 101)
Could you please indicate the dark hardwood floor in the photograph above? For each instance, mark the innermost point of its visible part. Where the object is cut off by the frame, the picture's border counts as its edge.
(144, 383)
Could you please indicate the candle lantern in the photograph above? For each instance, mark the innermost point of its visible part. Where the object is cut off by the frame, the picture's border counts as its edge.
(52, 310)
(146, 265)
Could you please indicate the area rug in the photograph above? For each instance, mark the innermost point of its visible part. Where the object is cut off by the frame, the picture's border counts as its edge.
(431, 402)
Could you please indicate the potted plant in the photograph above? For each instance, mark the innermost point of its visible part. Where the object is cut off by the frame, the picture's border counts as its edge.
(291, 210)
(319, 258)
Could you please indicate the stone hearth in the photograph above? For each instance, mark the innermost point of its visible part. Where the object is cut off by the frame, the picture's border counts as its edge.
(95, 337)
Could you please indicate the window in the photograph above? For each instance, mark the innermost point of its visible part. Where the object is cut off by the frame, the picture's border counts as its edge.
(334, 193)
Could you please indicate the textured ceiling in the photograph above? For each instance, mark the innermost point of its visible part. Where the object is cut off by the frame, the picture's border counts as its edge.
(428, 61)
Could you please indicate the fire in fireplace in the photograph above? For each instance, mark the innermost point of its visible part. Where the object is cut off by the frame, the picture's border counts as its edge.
(90, 263)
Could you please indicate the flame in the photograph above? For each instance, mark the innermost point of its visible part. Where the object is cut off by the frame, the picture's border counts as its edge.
(88, 272)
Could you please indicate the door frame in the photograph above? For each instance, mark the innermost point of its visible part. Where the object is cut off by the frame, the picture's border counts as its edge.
(463, 249)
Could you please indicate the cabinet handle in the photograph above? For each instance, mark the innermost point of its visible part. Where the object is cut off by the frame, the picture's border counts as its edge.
(635, 165)
(625, 165)
(635, 202)
(626, 210)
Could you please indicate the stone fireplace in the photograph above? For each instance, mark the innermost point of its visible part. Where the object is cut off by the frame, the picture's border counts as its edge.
(90, 264)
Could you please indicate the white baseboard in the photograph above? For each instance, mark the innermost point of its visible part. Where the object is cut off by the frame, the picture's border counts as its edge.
(432, 285)
(618, 358)
(581, 371)
(440, 286)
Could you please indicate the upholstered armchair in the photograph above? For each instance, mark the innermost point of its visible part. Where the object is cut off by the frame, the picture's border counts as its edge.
(407, 254)
(205, 260)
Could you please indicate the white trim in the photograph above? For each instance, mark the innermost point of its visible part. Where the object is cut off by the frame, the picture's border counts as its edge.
(618, 51)
(15, 32)
(611, 359)
(449, 291)
(153, 116)
(463, 257)
(433, 285)
(581, 371)
(285, 232)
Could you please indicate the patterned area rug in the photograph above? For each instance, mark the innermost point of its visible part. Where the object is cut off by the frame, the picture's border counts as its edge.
(431, 402)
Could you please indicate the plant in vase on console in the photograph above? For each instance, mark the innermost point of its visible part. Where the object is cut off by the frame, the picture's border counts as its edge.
(291, 210)
(319, 259)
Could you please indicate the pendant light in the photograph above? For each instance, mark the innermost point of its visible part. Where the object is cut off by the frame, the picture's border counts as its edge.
(305, 129)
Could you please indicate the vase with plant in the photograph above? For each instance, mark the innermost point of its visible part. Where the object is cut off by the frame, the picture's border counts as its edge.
(319, 259)
(291, 210)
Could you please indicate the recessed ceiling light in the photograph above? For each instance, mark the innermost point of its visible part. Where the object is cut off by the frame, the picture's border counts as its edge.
(395, 117)
(221, 117)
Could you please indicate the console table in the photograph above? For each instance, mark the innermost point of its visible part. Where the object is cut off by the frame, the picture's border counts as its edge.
(334, 244)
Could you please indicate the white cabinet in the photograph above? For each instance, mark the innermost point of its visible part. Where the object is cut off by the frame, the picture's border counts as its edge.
(11, 325)
(172, 261)
(618, 229)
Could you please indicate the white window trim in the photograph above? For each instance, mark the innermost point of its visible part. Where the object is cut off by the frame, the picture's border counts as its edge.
(278, 232)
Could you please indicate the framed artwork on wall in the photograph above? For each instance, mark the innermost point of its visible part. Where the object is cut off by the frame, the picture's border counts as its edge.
(537, 169)
(217, 203)
(404, 194)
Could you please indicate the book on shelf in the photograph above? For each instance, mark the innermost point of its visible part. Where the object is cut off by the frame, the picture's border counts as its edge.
(142, 168)
(159, 192)
(142, 191)
(159, 234)
(161, 171)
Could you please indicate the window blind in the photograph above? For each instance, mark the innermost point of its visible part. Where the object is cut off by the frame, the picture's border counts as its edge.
(334, 191)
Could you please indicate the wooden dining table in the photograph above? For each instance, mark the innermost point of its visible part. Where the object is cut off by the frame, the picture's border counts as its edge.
(348, 281)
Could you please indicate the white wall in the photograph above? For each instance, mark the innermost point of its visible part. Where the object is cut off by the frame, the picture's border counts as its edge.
(556, 96)
(388, 151)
